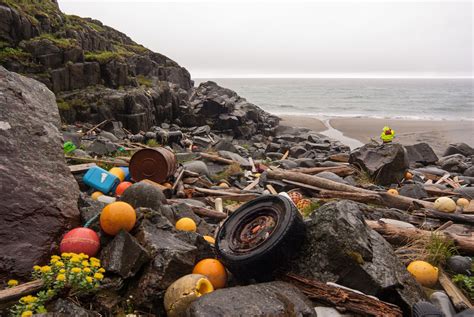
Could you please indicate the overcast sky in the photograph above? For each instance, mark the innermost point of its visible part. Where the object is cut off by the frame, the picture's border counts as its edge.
(297, 38)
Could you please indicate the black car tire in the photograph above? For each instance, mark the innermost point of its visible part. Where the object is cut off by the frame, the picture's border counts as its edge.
(260, 260)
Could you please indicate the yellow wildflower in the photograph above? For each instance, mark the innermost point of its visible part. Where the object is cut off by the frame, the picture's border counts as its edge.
(54, 261)
(85, 263)
(94, 259)
(98, 276)
(89, 279)
(87, 270)
(62, 271)
(101, 270)
(12, 283)
(46, 269)
(95, 264)
(27, 313)
(61, 278)
(66, 255)
(59, 264)
(28, 299)
(75, 259)
(37, 268)
(57, 257)
(83, 256)
(76, 270)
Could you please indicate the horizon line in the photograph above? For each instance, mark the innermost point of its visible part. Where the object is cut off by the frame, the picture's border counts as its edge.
(325, 76)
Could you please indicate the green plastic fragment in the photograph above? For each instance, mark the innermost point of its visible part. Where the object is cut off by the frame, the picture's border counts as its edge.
(68, 147)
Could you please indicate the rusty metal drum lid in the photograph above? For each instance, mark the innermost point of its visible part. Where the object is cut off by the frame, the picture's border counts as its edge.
(153, 164)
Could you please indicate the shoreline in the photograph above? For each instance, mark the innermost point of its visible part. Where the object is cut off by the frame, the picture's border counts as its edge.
(359, 130)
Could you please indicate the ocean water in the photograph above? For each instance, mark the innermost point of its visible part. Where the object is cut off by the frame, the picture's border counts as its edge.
(433, 99)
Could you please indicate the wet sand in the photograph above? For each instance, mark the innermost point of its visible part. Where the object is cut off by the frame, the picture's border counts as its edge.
(438, 134)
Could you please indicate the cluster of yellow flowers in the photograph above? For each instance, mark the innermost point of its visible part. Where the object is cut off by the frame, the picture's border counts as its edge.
(78, 273)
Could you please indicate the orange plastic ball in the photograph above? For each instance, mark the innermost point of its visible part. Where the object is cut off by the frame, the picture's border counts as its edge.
(213, 270)
(117, 216)
(121, 188)
(392, 192)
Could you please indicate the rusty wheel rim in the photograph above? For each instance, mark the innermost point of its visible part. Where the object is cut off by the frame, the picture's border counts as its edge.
(254, 231)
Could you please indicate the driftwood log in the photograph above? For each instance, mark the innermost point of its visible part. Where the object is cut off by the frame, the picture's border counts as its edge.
(399, 236)
(217, 158)
(389, 200)
(343, 170)
(200, 211)
(12, 294)
(459, 300)
(340, 297)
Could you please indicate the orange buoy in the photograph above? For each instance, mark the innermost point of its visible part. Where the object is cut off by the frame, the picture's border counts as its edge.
(117, 216)
(210, 239)
(392, 191)
(213, 270)
(121, 188)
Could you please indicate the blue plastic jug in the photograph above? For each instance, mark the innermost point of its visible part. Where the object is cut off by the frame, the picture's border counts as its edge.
(100, 179)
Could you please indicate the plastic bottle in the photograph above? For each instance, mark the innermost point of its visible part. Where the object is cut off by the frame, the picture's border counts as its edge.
(106, 199)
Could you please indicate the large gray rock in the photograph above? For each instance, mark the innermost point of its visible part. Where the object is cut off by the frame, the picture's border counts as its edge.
(267, 299)
(453, 163)
(173, 254)
(421, 153)
(144, 194)
(459, 148)
(124, 255)
(416, 191)
(341, 248)
(39, 194)
(385, 164)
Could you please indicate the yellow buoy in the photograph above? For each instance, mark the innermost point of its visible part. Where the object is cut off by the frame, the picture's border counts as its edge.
(445, 204)
(184, 291)
(209, 239)
(96, 195)
(186, 224)
(425, 273)
(117, 171)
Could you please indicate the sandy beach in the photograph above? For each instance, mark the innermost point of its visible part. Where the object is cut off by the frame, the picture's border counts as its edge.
(438, 134)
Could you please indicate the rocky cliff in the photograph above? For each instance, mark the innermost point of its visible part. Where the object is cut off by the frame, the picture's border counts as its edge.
(95, 71)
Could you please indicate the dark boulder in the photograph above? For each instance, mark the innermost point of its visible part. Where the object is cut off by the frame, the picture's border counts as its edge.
(267, 299)
(39, 194)
(144, 194)
(341, 248)
(421, 153)
(172, 255)
(455, 163)
(385, 164)
(62, 307)
(459, 148)
(124, 255)
(416, 191)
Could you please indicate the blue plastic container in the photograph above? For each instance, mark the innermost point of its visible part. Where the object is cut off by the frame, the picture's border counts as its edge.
(126, 172)
(100, 179)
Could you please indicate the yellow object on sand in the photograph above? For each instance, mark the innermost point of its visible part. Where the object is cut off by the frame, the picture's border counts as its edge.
(387, 134)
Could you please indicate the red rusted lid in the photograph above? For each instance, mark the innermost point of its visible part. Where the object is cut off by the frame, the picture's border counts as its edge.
(154, 164)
